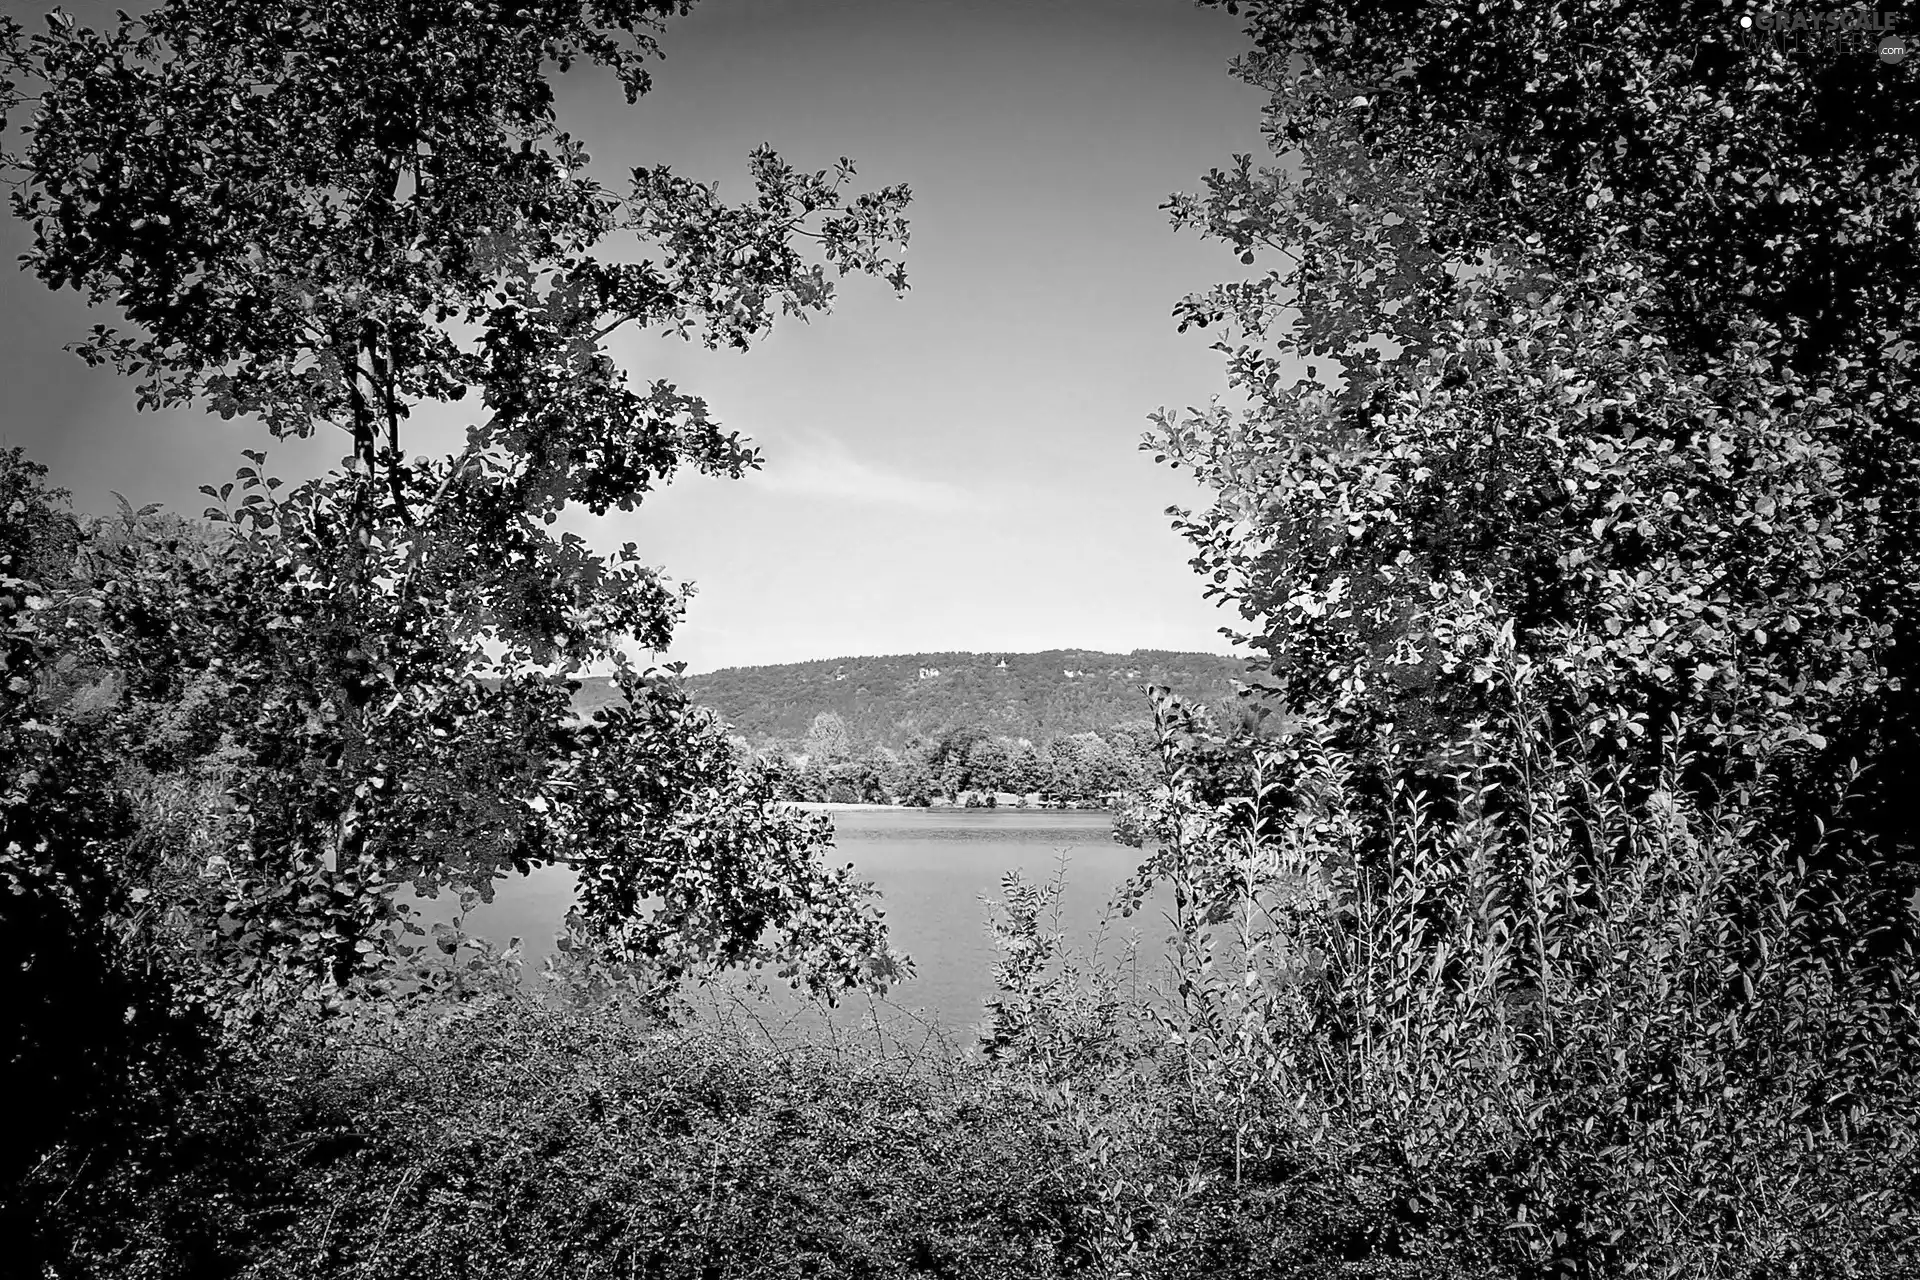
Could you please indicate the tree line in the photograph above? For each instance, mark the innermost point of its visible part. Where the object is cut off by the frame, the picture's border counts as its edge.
(966, 766)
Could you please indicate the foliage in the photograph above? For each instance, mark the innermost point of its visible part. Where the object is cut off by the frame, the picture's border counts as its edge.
(970, 767)
(1561, 919)
(1063, 1031)
(1051, 1009)
(1541, 1022)
(503, 1136)
(1617, 313)
(335, 215)
(230, 659)
(1756, 179)
(99, 1033)
(827, 739)
(237, 745)
(964, 727)
(325, 214)
(658, 810)
(1670, 544)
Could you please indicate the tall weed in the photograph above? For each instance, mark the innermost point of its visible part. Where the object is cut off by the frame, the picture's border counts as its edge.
(1525, 1015)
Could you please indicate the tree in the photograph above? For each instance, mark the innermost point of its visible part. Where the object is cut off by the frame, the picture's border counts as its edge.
(988, 762)
(946, 752)
(1026, 768)
(1612, 313)
(910, 781)
(1582, 560)
(1080, 767)
(827, 740)
(327, 216)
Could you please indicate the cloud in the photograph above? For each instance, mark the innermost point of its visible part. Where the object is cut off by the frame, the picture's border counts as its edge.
(819, 466)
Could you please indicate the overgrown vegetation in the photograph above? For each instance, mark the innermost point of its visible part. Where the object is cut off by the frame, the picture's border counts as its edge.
(1535, 1020)
(504, 1136)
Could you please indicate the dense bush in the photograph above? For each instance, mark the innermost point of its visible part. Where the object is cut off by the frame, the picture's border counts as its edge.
(100, 1031)
(501, 1136)
(1538, 1020)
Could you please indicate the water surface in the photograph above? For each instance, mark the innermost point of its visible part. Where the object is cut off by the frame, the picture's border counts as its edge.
(932, 867)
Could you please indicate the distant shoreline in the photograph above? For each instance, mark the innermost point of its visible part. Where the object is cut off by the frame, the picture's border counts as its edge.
(836, 806)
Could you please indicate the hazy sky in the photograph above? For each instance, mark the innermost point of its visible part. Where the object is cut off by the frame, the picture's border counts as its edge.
(955, 469)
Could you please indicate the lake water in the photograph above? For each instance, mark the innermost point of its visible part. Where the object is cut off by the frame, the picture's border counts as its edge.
(932, 867)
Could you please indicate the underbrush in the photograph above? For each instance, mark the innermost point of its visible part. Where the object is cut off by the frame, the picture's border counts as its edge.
(503, 1136)
(1532, 1018)
(479, 1131)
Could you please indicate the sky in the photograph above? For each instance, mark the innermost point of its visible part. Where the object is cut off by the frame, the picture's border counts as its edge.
(955, 469)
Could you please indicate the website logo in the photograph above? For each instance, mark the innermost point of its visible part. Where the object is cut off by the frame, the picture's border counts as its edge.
(1875, 29)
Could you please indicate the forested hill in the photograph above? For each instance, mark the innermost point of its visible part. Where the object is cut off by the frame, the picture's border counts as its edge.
(886, 701)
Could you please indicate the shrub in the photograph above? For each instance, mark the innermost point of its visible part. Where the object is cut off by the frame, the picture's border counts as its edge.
(503, 1137)
(1531, 1018)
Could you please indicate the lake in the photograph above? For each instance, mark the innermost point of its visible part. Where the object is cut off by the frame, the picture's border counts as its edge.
(932, 867)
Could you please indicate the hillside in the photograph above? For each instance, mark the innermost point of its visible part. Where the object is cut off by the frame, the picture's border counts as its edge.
(888, 700)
